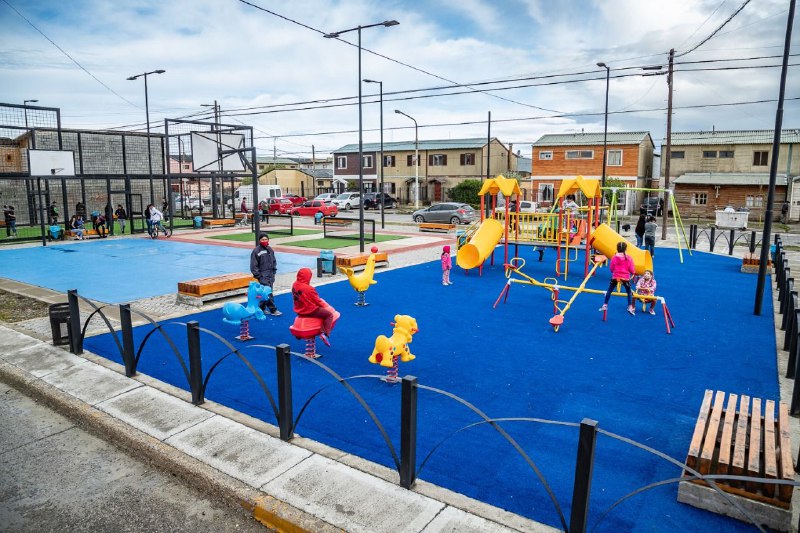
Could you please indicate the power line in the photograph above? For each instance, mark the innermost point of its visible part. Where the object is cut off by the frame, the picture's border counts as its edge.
(713, 33)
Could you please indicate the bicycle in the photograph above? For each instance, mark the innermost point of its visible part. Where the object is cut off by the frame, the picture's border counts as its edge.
(154, 229)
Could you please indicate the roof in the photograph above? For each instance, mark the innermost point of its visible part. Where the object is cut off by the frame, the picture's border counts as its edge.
(269, 160)
(590, 187)
(318, 173)
(446, 144)
(693, 138)
(524, 164)
(593, 139)
(729, 178)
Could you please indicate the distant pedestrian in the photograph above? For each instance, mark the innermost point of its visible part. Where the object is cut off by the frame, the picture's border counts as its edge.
(650, 229)
(147, 220)
(10, 219)
(122, 217)
(785, 212)
(53, 213)
(640, 230)
(243, 210)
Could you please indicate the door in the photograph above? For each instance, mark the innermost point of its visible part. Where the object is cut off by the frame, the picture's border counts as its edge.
(437, 191)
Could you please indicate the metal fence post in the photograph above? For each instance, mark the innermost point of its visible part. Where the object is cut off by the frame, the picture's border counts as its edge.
(195, 362)
(730, 241)
(791, 325)
(791, 363)
(713, 239)
(128, 354)
(75, 340)
(285, 412)
(692, 236)
(753, 242)
(584, 464)
(784, 287)
(408, 431)
(788, 305)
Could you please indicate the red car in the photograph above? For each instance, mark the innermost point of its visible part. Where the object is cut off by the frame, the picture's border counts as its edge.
(279, 206)
(313, 207)
(296, 200)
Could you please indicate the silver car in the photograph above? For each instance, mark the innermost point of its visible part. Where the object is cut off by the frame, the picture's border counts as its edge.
(452, 212)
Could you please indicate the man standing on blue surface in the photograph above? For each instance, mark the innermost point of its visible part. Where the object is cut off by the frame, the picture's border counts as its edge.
(263, 266)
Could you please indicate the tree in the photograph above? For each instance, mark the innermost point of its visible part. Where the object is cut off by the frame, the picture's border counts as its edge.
(466, 192)
(613, 182)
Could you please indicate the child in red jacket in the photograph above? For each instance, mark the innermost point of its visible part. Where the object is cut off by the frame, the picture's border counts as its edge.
(308, 303)
(622, 269)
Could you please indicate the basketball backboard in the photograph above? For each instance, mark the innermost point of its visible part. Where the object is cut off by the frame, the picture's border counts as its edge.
(207, 148)
(51, 162)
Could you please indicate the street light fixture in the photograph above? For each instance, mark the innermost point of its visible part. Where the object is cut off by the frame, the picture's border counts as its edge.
(147, 114)
(334, 35)
(416, 158)
(25, 103)
(383, 218)
(605, 129)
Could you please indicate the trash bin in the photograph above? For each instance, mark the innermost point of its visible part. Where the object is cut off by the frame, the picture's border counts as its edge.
(55, 232)
(59, 323)
(325, 263)
(198, 222)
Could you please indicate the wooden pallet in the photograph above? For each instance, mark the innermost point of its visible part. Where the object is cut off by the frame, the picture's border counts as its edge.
(213, 222)
(433, 226)
(741, 441)
(215, 284)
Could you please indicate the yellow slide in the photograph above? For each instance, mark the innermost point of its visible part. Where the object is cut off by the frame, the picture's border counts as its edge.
(605, 239)
(473, 253)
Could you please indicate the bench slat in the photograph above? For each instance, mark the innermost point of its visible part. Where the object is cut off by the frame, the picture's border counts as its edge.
(786, 467)
(741, 436)
(699, 431)
(710, 441)
(754, 451)
(435, 226)
(215, 284)
(726, 443)
(770, 465)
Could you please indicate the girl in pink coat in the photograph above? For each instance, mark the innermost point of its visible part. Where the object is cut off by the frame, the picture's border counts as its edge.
(447, 264)
(622, 270)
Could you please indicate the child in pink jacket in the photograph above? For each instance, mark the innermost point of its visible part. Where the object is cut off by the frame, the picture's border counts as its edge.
(447, 265)
(621, 271)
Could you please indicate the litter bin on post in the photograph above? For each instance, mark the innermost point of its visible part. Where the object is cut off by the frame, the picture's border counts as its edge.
(198, 222)
(59, 323)
(325, 263)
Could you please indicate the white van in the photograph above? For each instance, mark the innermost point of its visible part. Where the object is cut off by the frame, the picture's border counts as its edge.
(246, 191)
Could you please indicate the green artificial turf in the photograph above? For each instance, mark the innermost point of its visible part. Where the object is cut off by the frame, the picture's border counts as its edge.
(249, 236)
(332, 244)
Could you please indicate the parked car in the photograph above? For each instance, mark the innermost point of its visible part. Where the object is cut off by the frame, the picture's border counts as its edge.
(312, 207)
(452, 212)
(373, 200)
(326, 196)
(296, 200)
(347, 200)
(653, 205)
(524, 207)
(279, 206)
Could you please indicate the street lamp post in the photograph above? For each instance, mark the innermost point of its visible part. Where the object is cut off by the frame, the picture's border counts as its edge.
(416, 158)
(25, 103)
(333, 35)
(605, 129)
(380, 195)
(147, 115)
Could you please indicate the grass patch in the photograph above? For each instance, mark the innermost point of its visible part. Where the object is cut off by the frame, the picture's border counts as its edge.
(332, 244)
(250, 236)
(16, 308)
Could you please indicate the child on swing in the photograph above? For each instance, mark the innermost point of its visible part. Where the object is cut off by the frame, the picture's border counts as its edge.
(646, 286)
(622, 269)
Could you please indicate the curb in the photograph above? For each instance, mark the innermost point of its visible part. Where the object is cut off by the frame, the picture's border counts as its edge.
(265, 509)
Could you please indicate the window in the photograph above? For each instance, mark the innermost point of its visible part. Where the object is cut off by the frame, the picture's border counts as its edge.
(614, 158)
(545, 192)
(760, 159)
(726, 154)
(677, 155)
(410, 160)
(754, 201)
(709, 154)
(467, 159)
(579, 154)
(185, 167)
(437, 160)
(546, 156)
(699, 198)
(341, 161)
(368, 161)
(389, 161)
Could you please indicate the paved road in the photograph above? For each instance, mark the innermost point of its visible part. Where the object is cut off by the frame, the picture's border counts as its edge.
(56, 477)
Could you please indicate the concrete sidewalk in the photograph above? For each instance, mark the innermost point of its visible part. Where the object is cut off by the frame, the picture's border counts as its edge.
(297, 486)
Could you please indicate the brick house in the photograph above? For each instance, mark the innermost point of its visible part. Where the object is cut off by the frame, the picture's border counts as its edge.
(443, 164)
(714, 169)
(560, 156)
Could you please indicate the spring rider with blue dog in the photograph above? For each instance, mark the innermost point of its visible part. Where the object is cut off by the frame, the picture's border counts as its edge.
(240, 315)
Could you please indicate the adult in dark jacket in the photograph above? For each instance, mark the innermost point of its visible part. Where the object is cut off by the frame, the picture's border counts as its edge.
(640, 230)
(263, 266)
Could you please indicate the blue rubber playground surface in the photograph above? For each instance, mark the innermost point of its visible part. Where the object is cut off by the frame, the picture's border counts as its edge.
(118, 271)
(626, 373)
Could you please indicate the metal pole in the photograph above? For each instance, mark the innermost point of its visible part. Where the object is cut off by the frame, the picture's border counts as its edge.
(582, 486)
(416, 165)
(285, 414)
(360, 156)
(488, 154)
(149, 153)
(773, 168)
(605, 131)
(408, 432)
(195, 362)
(669, 143)
(383, 215)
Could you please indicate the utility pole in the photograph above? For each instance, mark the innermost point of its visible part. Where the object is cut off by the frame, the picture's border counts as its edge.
(488, 154)
(669, 144)
(313, 171)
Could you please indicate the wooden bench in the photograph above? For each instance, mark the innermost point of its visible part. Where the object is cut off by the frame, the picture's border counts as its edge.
(218, 222)
(359, 261)
(433, 226)
(733, 437)
(331, 221)
(199, 291)
(87, 233)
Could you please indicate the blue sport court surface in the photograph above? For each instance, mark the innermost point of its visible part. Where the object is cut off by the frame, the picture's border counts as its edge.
(626, 373)
(123, 270)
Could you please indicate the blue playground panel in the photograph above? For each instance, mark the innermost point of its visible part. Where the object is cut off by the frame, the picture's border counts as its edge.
(118, 271)
(626, 373)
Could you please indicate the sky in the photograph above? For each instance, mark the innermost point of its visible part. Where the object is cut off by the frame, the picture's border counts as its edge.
(448, 64)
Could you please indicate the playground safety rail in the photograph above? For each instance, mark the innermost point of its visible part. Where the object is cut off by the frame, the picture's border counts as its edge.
(789, 309)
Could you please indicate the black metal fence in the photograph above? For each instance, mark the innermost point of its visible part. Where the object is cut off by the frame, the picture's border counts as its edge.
(789, 309)
(713, 237)
(406, 463)
(347, 228)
